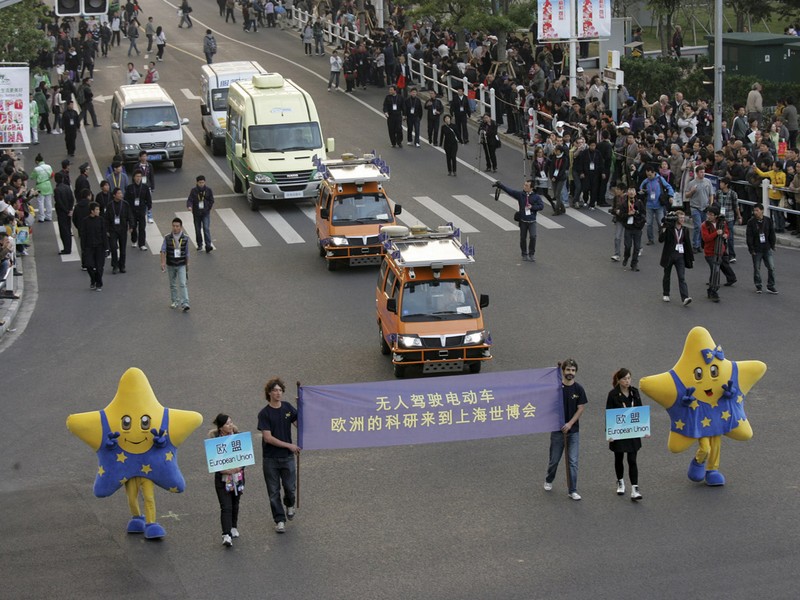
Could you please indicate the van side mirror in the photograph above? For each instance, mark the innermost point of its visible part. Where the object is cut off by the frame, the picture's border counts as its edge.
(238, 150)
(391, 305)
(204, 110)
(484, 300)
(329, 145)
(397, 209)
(115, 126)
(324, 213)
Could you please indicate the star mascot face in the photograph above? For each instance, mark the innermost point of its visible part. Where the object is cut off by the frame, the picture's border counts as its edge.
(704, 396)
(136, 441)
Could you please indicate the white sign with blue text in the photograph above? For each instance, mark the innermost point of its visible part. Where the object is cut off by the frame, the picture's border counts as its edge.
(624, 423)
(229, 451)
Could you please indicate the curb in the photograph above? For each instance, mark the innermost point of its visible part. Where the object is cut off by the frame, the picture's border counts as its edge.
(8, 307)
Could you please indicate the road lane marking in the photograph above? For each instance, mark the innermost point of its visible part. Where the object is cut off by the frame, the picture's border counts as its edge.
(543, 221)
(189, 95)
(153, 233)
(487, 213)
(409, 220)
(585, 219)
(445, 214)
(237, 227)
(282, 227)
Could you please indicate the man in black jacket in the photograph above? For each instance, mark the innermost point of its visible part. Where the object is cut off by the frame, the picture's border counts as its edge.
(82, 181)
(140, 201)
(761, 244)
(393, 111)
(435, 108)
(79, 213)
(677, 251)
(413, 112)
(118, 220)
(70, 123)
(94, 243)
(459, 109)
(65, 202)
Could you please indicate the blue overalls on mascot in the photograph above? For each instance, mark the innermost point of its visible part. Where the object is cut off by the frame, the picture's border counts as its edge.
(704, 396)
(136, 441)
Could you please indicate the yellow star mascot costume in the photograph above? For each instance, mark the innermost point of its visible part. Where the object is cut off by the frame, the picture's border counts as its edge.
(136, 441)
(717, 409)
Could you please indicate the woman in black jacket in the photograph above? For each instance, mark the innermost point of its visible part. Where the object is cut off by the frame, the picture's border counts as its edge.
(624, 395)
(449, 138)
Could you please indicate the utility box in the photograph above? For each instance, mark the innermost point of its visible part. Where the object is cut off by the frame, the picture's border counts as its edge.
(766, 56)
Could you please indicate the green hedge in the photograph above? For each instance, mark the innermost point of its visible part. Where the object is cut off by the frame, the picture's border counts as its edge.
(661, 75)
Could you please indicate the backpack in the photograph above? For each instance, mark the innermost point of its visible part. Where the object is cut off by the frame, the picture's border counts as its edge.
(212, 45)
(79, 95)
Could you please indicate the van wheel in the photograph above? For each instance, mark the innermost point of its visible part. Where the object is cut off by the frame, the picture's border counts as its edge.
(475, 367)
(399, 371)
(320, 247)
(384, 346)
(217, 149)
(237, 185)
(251, 199)
(332, 265)
(207, 138)
(178, 163)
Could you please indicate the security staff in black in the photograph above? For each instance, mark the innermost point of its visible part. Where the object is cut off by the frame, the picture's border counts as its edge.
(118, 221)
(393, 111)
(530, 203)
(64, 202)
(94, 243)
(434, 108)
(140, 200)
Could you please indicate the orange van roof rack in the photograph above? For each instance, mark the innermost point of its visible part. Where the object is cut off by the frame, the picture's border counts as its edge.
(352, 169)
(428, 248)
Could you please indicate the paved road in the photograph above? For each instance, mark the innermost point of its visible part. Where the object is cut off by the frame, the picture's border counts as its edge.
(444, 521)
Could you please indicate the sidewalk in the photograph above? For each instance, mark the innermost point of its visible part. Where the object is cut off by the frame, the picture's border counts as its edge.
(10, 307)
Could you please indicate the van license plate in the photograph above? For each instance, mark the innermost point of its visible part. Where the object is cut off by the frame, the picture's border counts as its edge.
(293, 194)
(155, 157)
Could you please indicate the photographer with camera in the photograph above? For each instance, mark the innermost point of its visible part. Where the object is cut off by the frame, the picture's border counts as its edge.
(677, 252)
(631, 213)
(490, 141)
(530, 203)
(715, 235)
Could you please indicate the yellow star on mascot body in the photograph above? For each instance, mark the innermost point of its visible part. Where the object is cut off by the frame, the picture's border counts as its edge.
(716, 410)
(136, 441)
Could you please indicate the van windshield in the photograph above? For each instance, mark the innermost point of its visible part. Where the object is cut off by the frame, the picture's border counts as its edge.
(150, 118)
(438, 301)
(219, 99)
(285, 137)
(361, 208)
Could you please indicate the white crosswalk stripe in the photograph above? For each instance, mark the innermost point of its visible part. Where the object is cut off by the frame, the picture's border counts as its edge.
(487, 213)
(188, 222)
(586, 219)
(409, 220)
(237, 227)
(282, 227)
(154, 238)
(446, 214)
(310, 212)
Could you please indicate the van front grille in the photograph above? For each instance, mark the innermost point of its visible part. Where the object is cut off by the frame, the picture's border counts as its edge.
(152, 145)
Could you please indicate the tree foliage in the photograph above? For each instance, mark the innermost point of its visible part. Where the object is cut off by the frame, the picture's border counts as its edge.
(755, 10)
(486, 15)
(21, 40)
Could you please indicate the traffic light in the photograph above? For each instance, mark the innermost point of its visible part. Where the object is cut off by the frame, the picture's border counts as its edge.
(68, 8)
(708, 81)
(95, 7)
(74, 8)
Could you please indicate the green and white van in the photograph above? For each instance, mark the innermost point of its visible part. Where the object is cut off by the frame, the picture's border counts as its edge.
(273, 134)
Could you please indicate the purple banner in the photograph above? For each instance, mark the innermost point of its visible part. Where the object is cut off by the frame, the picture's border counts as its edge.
(437, 409)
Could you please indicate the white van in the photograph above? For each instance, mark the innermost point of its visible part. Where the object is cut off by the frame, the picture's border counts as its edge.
(215, 79)
(273, 135)
(144, 117)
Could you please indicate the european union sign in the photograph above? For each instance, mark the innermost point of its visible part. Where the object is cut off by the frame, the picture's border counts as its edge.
(623, 423)
(229, 451)
(421, 411)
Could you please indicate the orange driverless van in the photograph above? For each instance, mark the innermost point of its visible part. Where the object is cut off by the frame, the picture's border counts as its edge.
(351, 208)
(427, 310)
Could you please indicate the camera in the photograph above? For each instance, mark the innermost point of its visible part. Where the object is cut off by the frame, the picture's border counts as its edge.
(670, 219)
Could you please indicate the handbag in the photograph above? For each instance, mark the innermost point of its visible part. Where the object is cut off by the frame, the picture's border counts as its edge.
(664, 199)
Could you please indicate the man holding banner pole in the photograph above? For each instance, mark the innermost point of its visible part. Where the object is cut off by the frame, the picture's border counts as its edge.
(275, 422)
(566, 440)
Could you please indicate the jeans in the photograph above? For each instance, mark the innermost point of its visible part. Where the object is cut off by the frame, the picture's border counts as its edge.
(334, 79)
(768, 259)
(279, 471)
(557, 449)
(697, 221)
(657, 215)
(178, 289)
(319, 46)
(527, 237)
(731, 251)
(633, 237)
(778, 217)
(413, 124)
(202, 226)
(132, 46)
(619, 230)
(680, 268)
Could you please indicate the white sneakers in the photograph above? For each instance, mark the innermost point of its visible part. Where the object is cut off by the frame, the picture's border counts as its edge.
(575, 496)
(548, 486)
(280, 527)
(620, 487)
(687, 301)
(290, 512)
(227, 541)
(234, 532)
(665, 298)
(635, 495)
(615, 258)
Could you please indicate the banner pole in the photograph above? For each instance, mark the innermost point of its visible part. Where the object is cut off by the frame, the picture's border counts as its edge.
(566, 457)
(297, 473)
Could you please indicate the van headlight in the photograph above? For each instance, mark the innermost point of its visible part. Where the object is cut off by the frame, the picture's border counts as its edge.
(262, 178)
(339, 241)
(475, 337)
(409, 341)
(178, 144)
(130, 147)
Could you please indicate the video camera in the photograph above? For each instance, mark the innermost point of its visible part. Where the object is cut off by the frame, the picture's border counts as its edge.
(670, 219)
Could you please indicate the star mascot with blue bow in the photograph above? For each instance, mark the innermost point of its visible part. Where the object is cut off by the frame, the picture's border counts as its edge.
(136, 441)
(704, 396)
